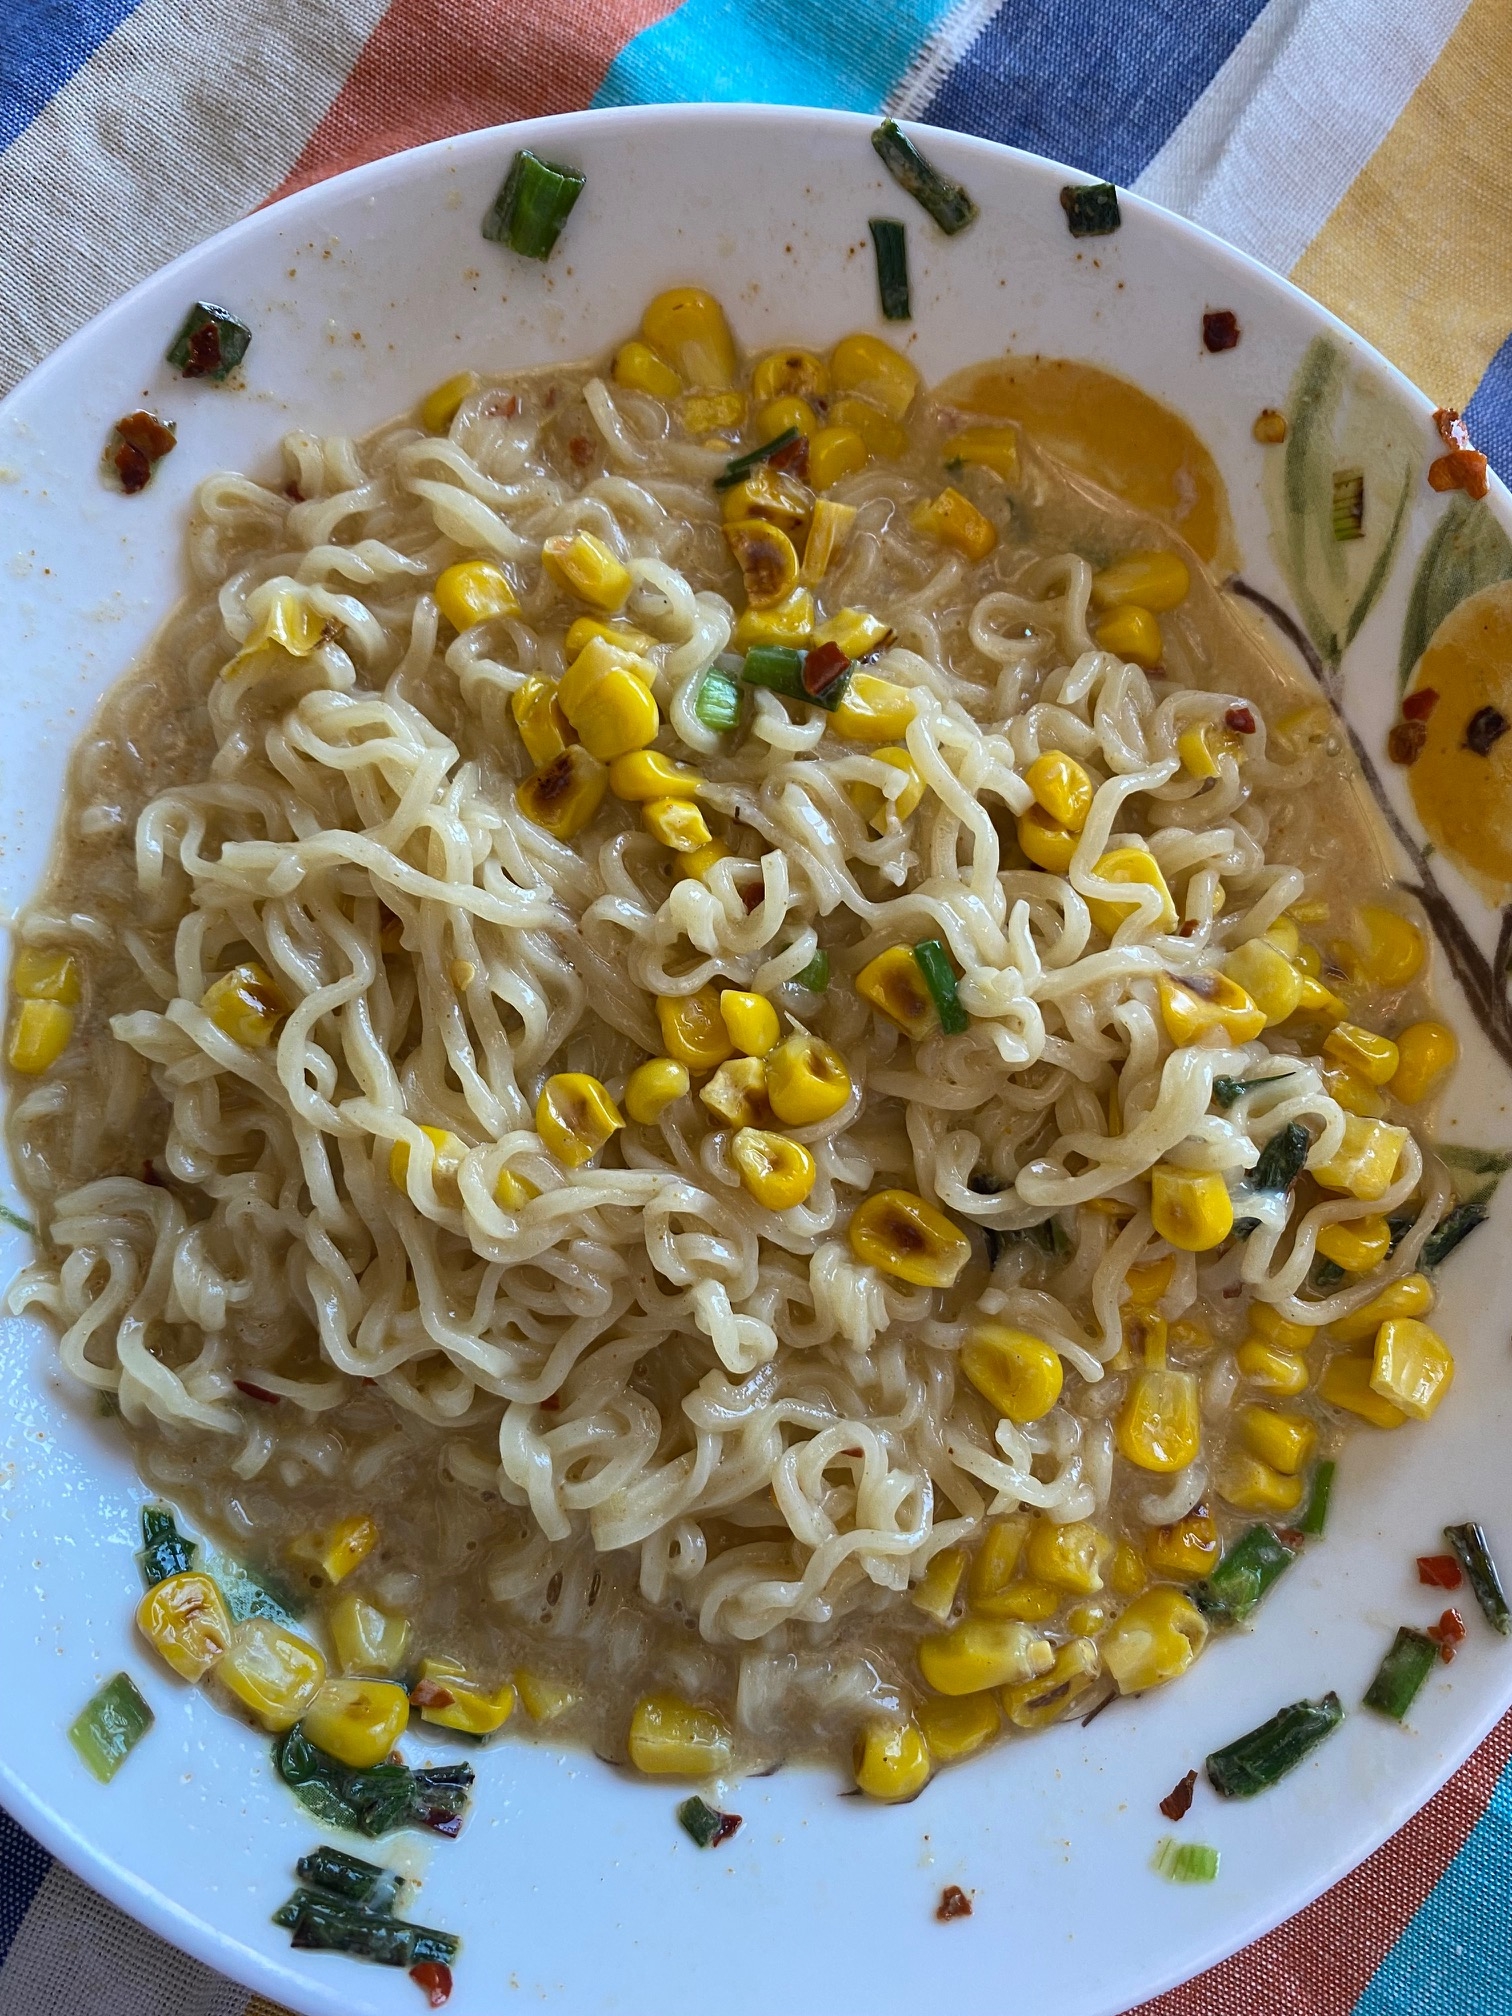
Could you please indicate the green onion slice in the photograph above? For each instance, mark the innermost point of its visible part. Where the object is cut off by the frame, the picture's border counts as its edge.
(777, 667)
(1226, 1091)
(110, 1726)
(164, 1549)
(742, 465)
(1092, 210)
(350, 1878)
(1315, 1515)
(530, 209)
(1266, 1754)
(1248, 1569)
(1448, 1233)
(320, 1923)
(1281, 1158)
(946, 201)
(939, 978)
(374, 1801)
(892, 268)
(1469, 1543)
(705, 1825)
(1400, 1676)
(1184, 1861)
(210, 343)
(717, 702)
(816, 975)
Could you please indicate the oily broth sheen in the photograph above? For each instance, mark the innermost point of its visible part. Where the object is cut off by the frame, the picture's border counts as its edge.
(858, 1414)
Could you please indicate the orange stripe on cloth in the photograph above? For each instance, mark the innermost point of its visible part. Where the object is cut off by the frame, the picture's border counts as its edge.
(1321, 1962)
(435, 67)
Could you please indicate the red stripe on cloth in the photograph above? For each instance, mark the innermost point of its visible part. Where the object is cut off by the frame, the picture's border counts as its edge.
(434, 67)
(1321, 1962)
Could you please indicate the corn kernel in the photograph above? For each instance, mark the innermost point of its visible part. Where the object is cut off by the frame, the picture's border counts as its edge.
(671, 1738)
(1086, 1620)
(1149, 1281)
(737, 1092)
(806, 1081)
(345, 1546)
(357, 1722)
(1188, 1548)
(1194, 1003)
(882, 435)
(693, 1029)
(899, 1234)
(1356, 1244)
(245, 1005)
(996, 1560)
(446, 1695)
(835, 452)
(1413, 1295)
(1355, 1094)
(1047, 845)
(790, 621)
(696, 866)
(1199, 748)
(1413, 1366)
(448, 1149)
(1126, 1571)
(1268, 977)
(544, 1699)
(828, 531)
(1267, 1320)
(1190, 1334)
(994, 448)
(1372, 1057)
(1394, 950)
(638, 366)
(40, 975)
(891, 1761)
(185, 1620)
(751, 1020)
(766, 559)
(1316, 999)
(272, 1672)
(982, 1652)
(935, 1591)
(771, 495)
(776, 1172)
(796, 372)
(1285, 1441)
(787, 414)
(955, 521)
(1061, 787)
(575, 1116)
(366, 1639)
(882, 813)
(608, 702)
(1189, 1208)
(1283, 934)
(1158, 581)
(873, 709)
(1346, 1383)
(582, 630)
(894, 982)
(440, 407)
(957, 1728)
(1019, 1373)
(1132, 634)
(1035, 1704)
(856, 631)
(677, 823)
(654, 1086)
(687, 327)
(1069, 1556)
(511, 1192)
(584, 566)
(1155, 1640)
(39, 1036)
(1132, 865)
(1159, 1425)
(1425, 1051)
(544, 728)
(1253, 1485)
(1366, 1160)
(1031, 1602)
(867, 365)
(473, 591)
(563, 795)
(713, 413)
(1278, 1371)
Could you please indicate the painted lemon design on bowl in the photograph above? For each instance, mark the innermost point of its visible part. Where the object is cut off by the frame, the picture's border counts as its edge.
(1462, 778)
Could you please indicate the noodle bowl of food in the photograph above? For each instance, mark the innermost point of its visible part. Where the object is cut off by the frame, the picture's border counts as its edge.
(744, 1052)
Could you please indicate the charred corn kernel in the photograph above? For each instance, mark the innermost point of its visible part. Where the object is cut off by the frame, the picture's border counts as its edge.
(882, 435)
(1152, 1279)
(894, 983)
(996, 1560)
(357, 1722)
(638, 366)
(1086, 1620)
(873, 709)
(766, 559)
(751, 1020)
(439, 408)
(1190, 1208)
(790, 372)
(1019, 1373)
(654, 1086)
(1191, 1334)
(788, 414)
(1035, 1704)
(575, 1116)
(737, 1092)
(1131, 633)
(958, 1728)
(891, 1761)
(641, 776)
(1365, 1163)
(829, 528)
(1371, 1057)
(1425, 1051)
(185, 1620)
(1283, 1440)
(677, 823)
(1253, 1485)
(563, 795)
(1268, 977)
(1356, 1244)
(994, 448)
(365, 1638)
(244, 1004)
(935, 1591)
(1194, 1003)
(835, 452)
(955, 521)
(1140, 869)
(1316, 999)
(1199, 748)
(790, 621)
(1061, 787)
(447, 1695)
(1126, 1571)
(39, 1036)
(882, 813)
(1413, 1295)
(344, 1546)
(856, 631)
(274, 1673)
(867, 365)
(1155, 1640)
(1068, 1557)
(687, 327)
(982, 1652)
(693, 1029)
(672, 1738)
(448, 1150)
(898, 1233)
(771, 495)
(584, 566)
(1154, 580)
(1145, 1337)
(1046, 844)
(698, 864)
(1413, 1367)
(713, 412)
(511, 1192)
(1188, 1548)
(40, 975)
(1393, 950)
(635, 643)
(777, 1172)
(1271, 1367)
(1159, 1425)
(543, 726)
(613, 714)
(1346, 1383)
(543, 1699)
(472, 591)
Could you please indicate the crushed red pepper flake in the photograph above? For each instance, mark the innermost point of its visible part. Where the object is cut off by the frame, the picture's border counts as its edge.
(794, 459)
(1439, 1571)
(1418, 706)
(256, 1392)
(729, 1824)
(954, 1903)
(1405, 743)
(143, 441)
(1464, 467)
(204, 351)
(580, 448)
(1241, 719)
(435, 1977)
(1448, 1634)
(822, 667)
(1220, 329)
(431, 1694)
(1178, 1801)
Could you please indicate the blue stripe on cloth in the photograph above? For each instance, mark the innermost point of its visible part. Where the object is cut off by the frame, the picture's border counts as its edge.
(44, 42)
(847, 54)
(22, 1866)
(1082, 81)
(1489, 418)
(1456, 1955)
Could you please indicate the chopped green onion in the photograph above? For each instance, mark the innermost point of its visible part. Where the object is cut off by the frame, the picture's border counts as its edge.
(374, 1801)
(164, 1551)
(109, 1727)
(348, 1877)
(530, 209)
(1469, 1543)
(1448, 1233)
(705, 1825)
(249, 1595)
(211, 342)
(318, 1923)
(946, 201)
(1266, 1754)
(816, 975)
(939, 978)
(1226, 1091)
(14, 1218)
(1401, 1674)
(892, 268)
(1326, 1274)
(1091, 210)
(1243, 1576)
(1281, 1158)
(1315, 1516)
(777, 667)
(742, 465)
(717, 702)
(1184, 1861)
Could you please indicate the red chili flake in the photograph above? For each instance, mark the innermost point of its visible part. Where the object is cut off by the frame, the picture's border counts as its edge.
(133, 468)
(822, 667)
(430, 1694)
(752, 894)
(1178, 1801)
(1439, 1571)
(551, 395)
(1448, 1634)
(552, 1402)
(1189, 929)
(1461, 469)
(1241, 719)
(204, 352)
(1232, 1294)
(1487, 727)
(294, 494)
(144, 441)
(435, 1977)
(1220, 329)
(793, 459)
(729, 1823)
(501, 405)
(1291, 1536)
(256, 1392)
(580, 448)
(1418, 706)
(150, 1175)
(954, 1903)
(1406, 742)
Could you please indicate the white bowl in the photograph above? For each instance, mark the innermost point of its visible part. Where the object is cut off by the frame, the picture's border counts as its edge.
(572, 1884)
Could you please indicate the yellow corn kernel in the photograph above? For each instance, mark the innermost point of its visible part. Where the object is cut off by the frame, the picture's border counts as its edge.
(1158, 581)
(737, 1092)
(584, 566)
(1035, 1704)
(1394, 950)
(39, 1036)
(245, 1005)
(185, 1620)
(1354, 1093)
(882, 813)
(1190, 1208)
(873, 709)
(1316, 999)
(575, 1116)
(472, 591)
(1068, 1557)
(1425, 1051)
(1086, 1620)
(806, 1081)
(677, 823)
(638, 366)
(777, 1172)
(891, 1761)
(790, 621)
(672, 1738)
(1046, 844)
(751, 1020)
(1155, 1640)
(955, 521)
(882, 435)
(1131, 633)
(1365, 1163)
(1145, 1336)
(958, 1728)
(1191, 1334)
(563, 795)
(1019, 1373)
(1253, 1485)
(796, 372)
(543, 727)
(867, 365)
(773, 495)
(598, 660)
(1283, 1440)
(1268, 977)
(1356, 1244)
(996, 1560)
(1413, 1366)
(634, 643)
(994, 448)
(1031, 1602)
(1061, 787)
(1278, 1371)
(511, 1192)
(641, 776)
(40, 975)
(787, 414)
(835, 452)
(1371, 1057)
(982, 1652)
(654, 1086)
(357, 1722)
(271, 1671)
(1159, 1426)
(687, 327)
(828, 531)
(1139, 869)
(1267, 1320)
(544, 1699)
(1413, 1295)
(898, 1233)
(1199, 748)
(856, 631)
(697, 865)
(766, 559)
(1149, 1281)
(1346, 1383)
(440, 407)
(1126, 1571)
(366, 1639)
(345, 1546)
(894, 982)
(446, 1160)
(1196, 1002)
(935, 1591)
(1188, 1548)
(1283, 934)
(693, 1029)
(448, 1696)
(615, 715)
(713, 412)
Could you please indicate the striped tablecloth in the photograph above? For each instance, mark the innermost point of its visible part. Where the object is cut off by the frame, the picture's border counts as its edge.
(1358, 145)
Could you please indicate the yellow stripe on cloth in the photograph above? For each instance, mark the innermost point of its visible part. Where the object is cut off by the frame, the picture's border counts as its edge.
(261, 2006)
(1418, 254)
